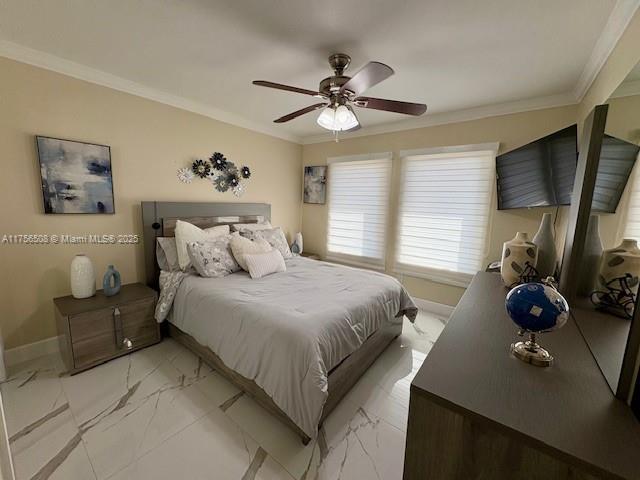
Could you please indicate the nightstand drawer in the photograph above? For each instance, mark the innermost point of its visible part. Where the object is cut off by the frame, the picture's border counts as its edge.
(105, 346)
(104, 321)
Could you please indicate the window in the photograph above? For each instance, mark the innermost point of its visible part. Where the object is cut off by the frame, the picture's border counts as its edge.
(358, 202)
(444, 212)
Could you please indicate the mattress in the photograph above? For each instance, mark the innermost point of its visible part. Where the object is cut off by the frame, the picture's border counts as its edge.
(286, 331)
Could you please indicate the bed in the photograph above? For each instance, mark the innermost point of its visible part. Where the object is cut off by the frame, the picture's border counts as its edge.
(295, 341)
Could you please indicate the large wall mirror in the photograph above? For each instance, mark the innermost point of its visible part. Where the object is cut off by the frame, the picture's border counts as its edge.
(605, 290)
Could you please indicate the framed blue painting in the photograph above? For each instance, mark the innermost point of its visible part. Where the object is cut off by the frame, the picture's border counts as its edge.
(76, 176)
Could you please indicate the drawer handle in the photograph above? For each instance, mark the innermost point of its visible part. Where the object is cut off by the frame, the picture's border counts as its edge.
(127, 343)
(117, 327)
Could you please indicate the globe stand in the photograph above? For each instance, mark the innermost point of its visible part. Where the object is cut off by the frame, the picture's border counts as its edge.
(531, 352)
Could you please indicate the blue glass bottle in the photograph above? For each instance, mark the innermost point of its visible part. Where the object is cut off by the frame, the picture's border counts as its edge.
(111, 282)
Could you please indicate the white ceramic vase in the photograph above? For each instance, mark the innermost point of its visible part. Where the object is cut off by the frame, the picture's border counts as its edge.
(83, 278)
(296, 246)
(518, 254)
(544, 240)
(588, 278)
(618, 261)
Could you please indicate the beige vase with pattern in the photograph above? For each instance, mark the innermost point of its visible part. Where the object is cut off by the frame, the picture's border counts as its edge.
(618, 262)
(519, 257)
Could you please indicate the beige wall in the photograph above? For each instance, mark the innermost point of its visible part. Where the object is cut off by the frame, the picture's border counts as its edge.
(623, 118)
(511, 131)
(149, 141)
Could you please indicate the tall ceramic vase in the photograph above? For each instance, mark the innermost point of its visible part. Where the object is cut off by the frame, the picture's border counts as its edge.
(518, 256)
(546, 244)
(83, 279)
(588, 277)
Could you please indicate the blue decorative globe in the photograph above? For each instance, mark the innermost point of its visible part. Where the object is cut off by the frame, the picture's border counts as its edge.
(536, 307)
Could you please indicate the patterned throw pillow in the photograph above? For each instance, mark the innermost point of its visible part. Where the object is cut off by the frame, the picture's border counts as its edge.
(186, 233)
(213, 258)
(238, 227)
(274, 236)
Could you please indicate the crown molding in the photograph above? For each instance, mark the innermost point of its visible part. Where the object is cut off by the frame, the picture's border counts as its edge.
(456, 116)
(57, 64)
(617, 23)
(627, 89)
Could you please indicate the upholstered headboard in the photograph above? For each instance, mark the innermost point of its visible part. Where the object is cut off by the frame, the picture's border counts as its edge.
(159, 220)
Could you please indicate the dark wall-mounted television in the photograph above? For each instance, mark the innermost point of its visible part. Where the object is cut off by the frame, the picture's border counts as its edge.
(539, 174)
(617, 158)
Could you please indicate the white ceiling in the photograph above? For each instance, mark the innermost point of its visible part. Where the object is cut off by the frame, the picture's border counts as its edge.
(451, 55)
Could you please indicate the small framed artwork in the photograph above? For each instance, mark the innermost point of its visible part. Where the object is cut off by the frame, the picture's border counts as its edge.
(315, 184)
(76, 176)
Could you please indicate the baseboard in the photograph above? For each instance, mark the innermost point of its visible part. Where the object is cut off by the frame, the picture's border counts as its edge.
(30, 351)
(439, 309)
(7, 471)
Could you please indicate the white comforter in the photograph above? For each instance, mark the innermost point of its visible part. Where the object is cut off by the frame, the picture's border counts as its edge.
(286, 331)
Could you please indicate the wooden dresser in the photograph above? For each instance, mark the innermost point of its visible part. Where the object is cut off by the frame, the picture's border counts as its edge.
(97, 329)
(476, 412)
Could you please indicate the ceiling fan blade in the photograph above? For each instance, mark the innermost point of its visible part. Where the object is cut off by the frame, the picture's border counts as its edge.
(302, 111)
(288, 88)
(368, 76)
(407, 108)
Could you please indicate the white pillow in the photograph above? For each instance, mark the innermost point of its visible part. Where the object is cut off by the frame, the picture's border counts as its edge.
(241, 246)
(254, 227)
(262, 264)
(188, 233)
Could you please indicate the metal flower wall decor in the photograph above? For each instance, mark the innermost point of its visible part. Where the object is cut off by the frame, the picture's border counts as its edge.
(222, 173)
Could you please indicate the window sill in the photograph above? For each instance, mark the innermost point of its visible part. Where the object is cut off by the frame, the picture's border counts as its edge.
(446, 278)
(354, 263)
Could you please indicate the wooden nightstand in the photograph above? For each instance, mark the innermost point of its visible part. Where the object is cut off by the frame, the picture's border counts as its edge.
(94, 330)
(312, 256)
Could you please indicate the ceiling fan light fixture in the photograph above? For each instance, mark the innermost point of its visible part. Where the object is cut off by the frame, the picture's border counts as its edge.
(338, 119)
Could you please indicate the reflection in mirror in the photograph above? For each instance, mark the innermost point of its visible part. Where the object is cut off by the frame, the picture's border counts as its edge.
(610, 267)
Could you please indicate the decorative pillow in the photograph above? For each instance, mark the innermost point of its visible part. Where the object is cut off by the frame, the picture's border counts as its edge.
(262, 264)
(240, 246)
(188, 233)
(251, 226)
(213, 258)
(167, 254)
(275, 237)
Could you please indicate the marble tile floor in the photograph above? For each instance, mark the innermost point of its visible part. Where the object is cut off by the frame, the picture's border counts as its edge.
(160, 413)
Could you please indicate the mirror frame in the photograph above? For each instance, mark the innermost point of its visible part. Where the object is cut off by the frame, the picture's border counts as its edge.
(579, 214)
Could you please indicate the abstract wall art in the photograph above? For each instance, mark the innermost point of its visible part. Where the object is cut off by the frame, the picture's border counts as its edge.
(315, 184)
(76, 176)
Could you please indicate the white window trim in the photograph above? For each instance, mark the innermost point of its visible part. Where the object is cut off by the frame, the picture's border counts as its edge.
(477, 147)
(361, 158)
(446, 277)
(361, 262)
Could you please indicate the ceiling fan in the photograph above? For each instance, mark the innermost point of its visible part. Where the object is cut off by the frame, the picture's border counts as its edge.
(339, 93)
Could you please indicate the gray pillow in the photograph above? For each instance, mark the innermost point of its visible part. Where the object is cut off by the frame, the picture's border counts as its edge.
(167, 254)
(274, 236)
(213, 258)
